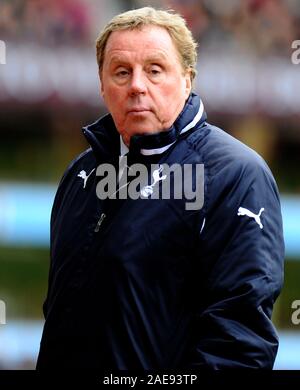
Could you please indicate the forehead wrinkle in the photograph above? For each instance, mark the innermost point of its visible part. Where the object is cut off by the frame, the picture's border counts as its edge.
(123, 58)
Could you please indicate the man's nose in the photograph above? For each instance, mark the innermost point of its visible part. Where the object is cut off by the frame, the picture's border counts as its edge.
(138, 83)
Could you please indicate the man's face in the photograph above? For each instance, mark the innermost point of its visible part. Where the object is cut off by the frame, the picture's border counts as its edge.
(143, 82)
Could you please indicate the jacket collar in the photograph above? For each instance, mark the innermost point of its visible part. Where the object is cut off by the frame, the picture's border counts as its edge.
(191, 115)
(106, 142)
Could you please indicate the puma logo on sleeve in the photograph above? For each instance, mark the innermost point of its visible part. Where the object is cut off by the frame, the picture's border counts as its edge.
(243, 211)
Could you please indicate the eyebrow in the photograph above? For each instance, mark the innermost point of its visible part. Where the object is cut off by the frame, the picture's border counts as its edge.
(116, 58)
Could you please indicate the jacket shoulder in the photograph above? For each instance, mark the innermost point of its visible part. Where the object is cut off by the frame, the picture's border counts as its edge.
(86, 157)
(220, 151)
(231, 169)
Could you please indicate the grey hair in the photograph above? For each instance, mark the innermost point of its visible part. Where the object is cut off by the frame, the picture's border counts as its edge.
(138, 18)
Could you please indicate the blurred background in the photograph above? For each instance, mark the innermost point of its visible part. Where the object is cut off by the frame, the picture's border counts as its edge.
(49, 90)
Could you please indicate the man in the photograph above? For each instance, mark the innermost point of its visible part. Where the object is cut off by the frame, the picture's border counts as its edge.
(147, 283)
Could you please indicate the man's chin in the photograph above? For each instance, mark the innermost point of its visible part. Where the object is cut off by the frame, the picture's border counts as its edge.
(143, 129)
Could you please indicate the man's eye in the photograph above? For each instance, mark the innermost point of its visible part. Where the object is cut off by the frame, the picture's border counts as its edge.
(155, 71)
(122, 73)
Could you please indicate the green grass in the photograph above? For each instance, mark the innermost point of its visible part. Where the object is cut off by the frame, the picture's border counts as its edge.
(23, 281)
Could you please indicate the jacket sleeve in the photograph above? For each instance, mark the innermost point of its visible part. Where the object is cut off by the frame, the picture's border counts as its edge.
(241, 263)
(60, 195)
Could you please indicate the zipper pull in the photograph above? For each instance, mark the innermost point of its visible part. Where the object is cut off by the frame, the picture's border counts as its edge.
(99, 223)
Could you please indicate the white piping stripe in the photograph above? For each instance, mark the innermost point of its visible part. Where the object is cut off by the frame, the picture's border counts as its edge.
(149, 152)
(195, 120)
(202, 227)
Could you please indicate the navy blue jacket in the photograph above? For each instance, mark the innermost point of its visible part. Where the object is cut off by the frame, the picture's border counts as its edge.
(153, 285)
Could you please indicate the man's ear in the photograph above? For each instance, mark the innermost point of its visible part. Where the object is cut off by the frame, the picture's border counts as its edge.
(188, 83)
(101, 83)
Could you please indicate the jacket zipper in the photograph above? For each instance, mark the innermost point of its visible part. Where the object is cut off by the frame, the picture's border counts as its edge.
(99, 223)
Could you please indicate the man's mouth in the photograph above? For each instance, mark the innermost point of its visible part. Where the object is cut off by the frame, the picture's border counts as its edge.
(138, 110)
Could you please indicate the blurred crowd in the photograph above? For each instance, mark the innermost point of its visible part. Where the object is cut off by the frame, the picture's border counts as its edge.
(258, 26)
(47, 22)
(264, 27)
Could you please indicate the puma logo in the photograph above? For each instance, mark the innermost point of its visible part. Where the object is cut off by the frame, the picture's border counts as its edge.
(84, 176)
(243, 211)
(148, 190)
